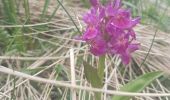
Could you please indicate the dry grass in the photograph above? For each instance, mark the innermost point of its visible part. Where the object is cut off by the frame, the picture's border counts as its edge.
(54, 64)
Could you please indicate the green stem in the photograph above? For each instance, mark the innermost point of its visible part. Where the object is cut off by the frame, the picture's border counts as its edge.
(97, 96)
(101, 66)
(100, 72)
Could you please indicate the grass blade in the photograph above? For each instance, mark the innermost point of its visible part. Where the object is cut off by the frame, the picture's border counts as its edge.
(47, 2)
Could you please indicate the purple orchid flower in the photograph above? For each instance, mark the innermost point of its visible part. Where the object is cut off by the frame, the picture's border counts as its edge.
(110, 30)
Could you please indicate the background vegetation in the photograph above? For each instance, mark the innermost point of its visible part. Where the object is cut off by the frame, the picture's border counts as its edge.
(36, 37)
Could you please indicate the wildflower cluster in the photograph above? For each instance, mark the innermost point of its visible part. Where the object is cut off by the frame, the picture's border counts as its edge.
(110, 30)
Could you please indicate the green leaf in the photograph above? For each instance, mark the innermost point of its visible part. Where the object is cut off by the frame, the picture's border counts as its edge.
(91, 75)
(138, 84)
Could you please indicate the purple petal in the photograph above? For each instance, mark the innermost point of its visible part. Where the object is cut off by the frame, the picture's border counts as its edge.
(116, 4)
(110, 10)
(131, 32)
(93, 11)
(135, 21)
(90, 33)
(110, 28)
(98, 47)
(112, 7)
(119, 45)
(125, 13)
(133, 47)
(98, 51)
(94, 3)
(125, 58)
(101, 13)
(90, 19)
(121, 22)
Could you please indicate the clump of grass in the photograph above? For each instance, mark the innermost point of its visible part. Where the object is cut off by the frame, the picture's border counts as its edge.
(10, 16)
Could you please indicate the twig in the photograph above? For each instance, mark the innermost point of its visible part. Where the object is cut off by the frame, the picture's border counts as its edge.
(73, 82)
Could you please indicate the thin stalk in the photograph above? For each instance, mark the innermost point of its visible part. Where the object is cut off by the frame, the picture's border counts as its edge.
(54, 12)
(98, 96)
(153, 40)
(69, 16)
(101, 67)
(13, 97)
(10, 11)
(47, 2)
(27, 10)
(100, 72)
